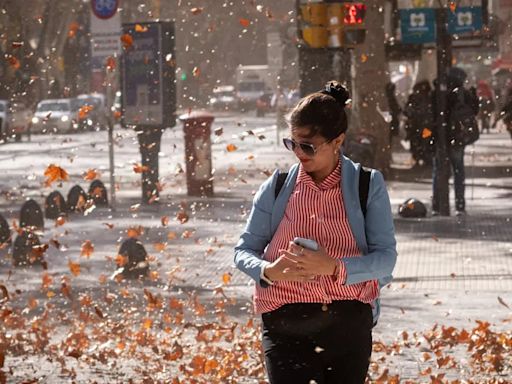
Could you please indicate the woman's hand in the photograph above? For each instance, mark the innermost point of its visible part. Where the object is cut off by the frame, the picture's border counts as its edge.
(311, 262)
(286, 269)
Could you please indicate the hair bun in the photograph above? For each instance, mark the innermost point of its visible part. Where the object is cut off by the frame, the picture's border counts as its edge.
(338, 91)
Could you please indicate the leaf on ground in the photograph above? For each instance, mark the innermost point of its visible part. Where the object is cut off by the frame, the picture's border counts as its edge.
(244, 22)
(87, 248)
(74, 268)
(231, 147)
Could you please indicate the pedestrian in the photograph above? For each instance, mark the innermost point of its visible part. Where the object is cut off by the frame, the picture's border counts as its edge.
(395, 110)
(420, 123)
(279, 102)
(458, 99)
(318, 307)
(506, 112)
(486, 103)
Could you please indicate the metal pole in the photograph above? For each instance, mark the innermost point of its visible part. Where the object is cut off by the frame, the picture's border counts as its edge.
(110, 75)
(441, 195)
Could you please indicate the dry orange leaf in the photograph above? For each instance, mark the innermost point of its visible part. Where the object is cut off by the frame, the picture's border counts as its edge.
(426, 133)
(139, 168)
(14, 62)
(147, 323)
(91, 174)
(196, 72)
(172, 235)
(110, 63)
(226, 278)
(109, 225)
(127, 41)
(244, 22)
(74, 268)
(121, 260)
(164, 220)
(87, 248)
(84, 111)
(140, 28)
(135, 231)
(182, 217)
(196, 10)
(453, 6)
(47, 280)
(231, 148)
(55, 173)
(159, 247)
(61, 220)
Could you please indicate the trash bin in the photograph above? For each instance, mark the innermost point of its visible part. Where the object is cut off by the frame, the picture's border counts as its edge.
(198, 152)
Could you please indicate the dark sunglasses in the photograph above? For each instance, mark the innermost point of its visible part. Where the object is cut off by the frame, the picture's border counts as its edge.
(306, 148)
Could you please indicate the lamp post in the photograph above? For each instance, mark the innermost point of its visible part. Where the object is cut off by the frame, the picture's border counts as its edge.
(441, 192)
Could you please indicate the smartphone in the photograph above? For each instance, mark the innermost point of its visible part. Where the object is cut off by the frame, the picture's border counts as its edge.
(306, 243)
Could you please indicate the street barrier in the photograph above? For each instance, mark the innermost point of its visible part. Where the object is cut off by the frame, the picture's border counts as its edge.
(31, 215)
(55, 206)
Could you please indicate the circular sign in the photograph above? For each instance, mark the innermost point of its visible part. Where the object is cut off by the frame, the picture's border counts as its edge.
(104, 9)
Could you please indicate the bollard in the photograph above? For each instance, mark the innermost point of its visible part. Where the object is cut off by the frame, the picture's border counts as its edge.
(55, 206)
(31, 215)
(198, 152)
(77, 199)
(136, 265)
(5, 231)
(98, 193)
(23, 253)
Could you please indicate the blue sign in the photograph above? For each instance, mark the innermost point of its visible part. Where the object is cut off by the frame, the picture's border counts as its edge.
(465, 20)
(104, 9)
(418, 25)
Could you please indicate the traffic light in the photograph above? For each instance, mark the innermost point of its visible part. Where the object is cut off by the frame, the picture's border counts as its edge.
(332, 24)
(354, 31)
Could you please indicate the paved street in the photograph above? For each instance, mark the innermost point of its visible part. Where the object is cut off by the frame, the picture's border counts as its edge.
(450, 271)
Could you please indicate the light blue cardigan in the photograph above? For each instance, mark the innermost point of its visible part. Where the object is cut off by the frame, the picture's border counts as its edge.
(375, 236)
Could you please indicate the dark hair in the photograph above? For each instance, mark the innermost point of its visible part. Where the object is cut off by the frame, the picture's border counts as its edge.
(323, 112)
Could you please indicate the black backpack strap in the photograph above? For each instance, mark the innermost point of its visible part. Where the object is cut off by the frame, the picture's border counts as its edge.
(281, 178)
(364, 187)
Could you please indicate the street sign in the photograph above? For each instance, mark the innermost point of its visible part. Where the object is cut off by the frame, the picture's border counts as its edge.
(418, 25)
(105, 32)
(104, 9)
(148, 73)
(465, 20)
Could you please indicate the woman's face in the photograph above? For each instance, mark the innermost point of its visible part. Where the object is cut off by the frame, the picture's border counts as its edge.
(323, 153)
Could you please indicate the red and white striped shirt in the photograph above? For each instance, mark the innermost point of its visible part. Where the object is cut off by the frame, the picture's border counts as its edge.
(315, 211)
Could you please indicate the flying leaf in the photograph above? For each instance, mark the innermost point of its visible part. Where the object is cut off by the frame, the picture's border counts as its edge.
(135, 231)
(14, 62)
(140, 28)
(139, 168)
(502, 302)
(226, 278)
(47, 280)
(182, 217)
(196, 11)
(164, 220)
(61, 220)
(426, 133)
(127, 41)
(87, 249)
(84, 111)
(231, 148)
(244, 22)
(74, 268)
(55, 173)
(110, 63)
(196, 72)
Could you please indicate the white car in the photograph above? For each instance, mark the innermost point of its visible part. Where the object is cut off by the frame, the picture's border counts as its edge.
(55, 116)
(94, 115)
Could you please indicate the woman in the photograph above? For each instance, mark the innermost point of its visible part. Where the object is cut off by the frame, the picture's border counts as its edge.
(316, 306)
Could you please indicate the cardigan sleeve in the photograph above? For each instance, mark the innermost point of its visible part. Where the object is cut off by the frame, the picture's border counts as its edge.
(257, 233)
(379, 262)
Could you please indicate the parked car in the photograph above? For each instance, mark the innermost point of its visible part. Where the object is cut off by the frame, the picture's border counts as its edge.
(224, 98)
(263, 104)
(14, 119)
(55, 116)
(92, 112)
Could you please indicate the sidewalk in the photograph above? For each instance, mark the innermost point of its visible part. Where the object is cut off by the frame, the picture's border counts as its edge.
(450, 271)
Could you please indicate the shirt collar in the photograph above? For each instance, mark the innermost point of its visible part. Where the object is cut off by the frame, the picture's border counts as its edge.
(331, 181)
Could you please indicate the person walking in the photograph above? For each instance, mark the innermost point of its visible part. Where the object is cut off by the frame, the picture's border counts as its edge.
(462, 104)
(318, 307)
(486, 104)
(506, 112)
(395, 110)
(420, 122)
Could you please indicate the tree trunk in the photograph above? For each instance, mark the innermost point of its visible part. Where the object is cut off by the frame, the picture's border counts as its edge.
(149, 145)
(371, 77)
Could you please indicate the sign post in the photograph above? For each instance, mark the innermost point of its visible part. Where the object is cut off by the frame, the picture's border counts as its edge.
(106, 46)
(149, 93)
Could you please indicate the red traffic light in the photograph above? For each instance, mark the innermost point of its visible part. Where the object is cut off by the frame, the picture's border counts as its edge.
(354, 13)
